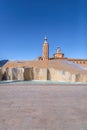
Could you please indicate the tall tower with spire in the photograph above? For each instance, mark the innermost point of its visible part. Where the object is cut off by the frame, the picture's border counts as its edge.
(45, 50)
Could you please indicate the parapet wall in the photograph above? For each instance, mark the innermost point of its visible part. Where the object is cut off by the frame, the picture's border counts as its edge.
(36, 73)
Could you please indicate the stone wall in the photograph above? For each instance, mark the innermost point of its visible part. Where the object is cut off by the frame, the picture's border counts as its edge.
(3, 73)
(59, 75)
(15, 74)
(28, 73)
(18, 74)
(9, 74)
(64, 76)
(36, 73)
(40, 73)
(81, 77)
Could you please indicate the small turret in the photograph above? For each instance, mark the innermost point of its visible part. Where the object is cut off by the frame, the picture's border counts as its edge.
(58, 54)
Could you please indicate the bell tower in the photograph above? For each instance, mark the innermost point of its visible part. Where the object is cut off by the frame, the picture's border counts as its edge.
(45, 50)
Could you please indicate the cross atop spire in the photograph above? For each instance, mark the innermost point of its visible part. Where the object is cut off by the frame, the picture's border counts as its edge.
(45, 40)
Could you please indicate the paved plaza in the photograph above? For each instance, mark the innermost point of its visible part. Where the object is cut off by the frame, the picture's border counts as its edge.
(43, 106)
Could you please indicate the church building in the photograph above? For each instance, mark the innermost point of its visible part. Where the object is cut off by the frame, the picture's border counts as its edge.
(58, 55)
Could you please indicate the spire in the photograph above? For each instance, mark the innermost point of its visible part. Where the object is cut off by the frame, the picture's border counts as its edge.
(45, 40)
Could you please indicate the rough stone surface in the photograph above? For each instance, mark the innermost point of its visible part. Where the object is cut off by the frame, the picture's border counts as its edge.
(60, 75)
(17, 73)
(81, 77)
(28, 73)
(57, 70)
(43, 74)
(43, 107)
(40, 73)
(9, 74)
(3, 72)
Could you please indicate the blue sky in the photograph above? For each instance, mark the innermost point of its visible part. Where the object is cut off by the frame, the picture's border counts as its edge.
(24, 23)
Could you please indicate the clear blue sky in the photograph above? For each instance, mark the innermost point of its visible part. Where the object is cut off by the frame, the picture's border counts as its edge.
(24, 23)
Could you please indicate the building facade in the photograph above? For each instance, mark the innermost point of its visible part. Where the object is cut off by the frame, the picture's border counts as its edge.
(58, 55)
